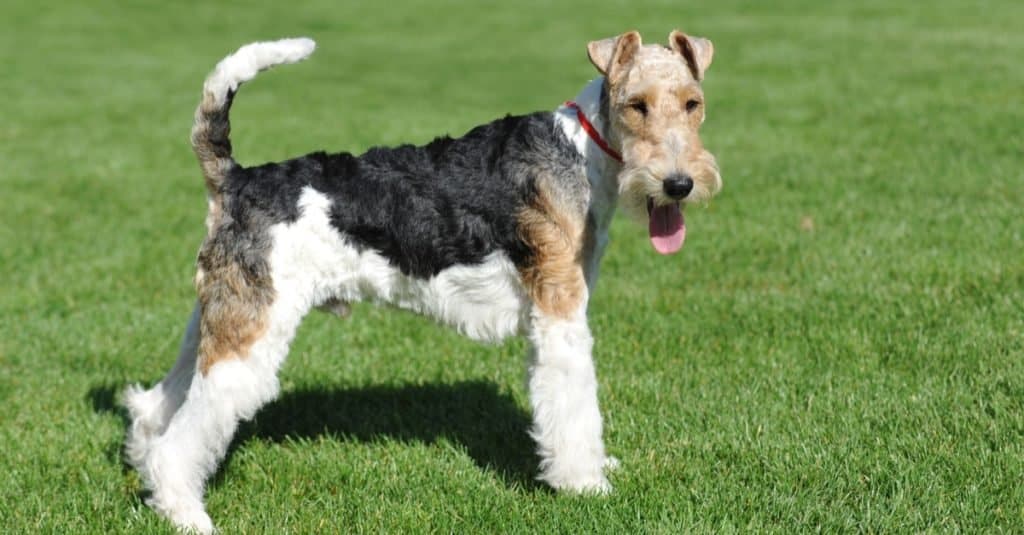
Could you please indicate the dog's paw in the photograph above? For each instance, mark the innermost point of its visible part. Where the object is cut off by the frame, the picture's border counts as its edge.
(594, 486)
(611, 464)
(577, 480)
(197, 522)
(188, 519)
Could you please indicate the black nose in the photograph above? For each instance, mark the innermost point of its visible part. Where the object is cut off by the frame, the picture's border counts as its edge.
(677, 186)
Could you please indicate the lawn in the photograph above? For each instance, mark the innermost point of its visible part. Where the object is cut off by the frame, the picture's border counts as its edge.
(839, 347)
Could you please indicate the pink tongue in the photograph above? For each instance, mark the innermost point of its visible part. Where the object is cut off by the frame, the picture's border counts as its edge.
(667, 228)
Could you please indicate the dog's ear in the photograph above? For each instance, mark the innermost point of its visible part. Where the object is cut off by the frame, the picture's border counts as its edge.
(612, 54)
(697, 52)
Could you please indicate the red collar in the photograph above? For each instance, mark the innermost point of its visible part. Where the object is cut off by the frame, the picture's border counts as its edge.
(592, 132)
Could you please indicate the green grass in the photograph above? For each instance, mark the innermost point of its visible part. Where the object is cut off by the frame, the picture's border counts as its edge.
(839, 347)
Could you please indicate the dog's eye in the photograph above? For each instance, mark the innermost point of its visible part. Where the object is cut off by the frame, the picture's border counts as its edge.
(639, 106)
(692, 104)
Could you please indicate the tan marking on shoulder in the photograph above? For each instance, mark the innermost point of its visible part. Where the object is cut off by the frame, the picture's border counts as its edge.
(554, 277)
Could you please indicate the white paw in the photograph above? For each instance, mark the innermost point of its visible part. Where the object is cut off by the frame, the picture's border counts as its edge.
(187, 518)
(596, 486)
(577, 481)
(611, 464)
(194, 522)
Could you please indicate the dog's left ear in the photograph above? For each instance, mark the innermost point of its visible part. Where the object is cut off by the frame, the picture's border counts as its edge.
(697, 51)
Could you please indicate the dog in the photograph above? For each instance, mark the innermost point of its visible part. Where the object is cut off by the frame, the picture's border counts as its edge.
(497, 233)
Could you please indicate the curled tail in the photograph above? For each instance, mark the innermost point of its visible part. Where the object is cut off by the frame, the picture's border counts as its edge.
(211, 127)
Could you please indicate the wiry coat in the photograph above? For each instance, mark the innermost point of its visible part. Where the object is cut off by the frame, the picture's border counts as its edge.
(494, 233)
(452, 201)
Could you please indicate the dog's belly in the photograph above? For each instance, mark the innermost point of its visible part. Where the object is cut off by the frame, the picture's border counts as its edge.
(312, 263)
(483, 301)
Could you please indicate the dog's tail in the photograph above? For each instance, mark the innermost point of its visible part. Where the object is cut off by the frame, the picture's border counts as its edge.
(211, 127)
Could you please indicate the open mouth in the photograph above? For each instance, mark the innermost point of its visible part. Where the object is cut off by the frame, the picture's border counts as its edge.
(666, 226)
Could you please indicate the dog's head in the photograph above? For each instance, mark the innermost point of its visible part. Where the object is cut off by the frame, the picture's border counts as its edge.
(654, 111)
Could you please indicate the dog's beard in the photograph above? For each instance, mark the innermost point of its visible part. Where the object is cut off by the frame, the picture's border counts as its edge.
(707, 179)
(639, 186)
(640, 194)
(642, 198)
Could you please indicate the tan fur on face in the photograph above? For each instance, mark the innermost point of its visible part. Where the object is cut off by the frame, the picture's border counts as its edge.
(656, 107)
(554, 277)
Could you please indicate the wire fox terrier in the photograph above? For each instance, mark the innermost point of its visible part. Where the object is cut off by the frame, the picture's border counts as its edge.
(496, 233)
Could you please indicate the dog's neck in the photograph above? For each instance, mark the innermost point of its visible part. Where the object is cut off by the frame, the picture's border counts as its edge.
(592, 101)
(602, 169)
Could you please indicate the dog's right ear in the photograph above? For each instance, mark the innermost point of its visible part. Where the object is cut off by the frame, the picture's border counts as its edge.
(612, 54)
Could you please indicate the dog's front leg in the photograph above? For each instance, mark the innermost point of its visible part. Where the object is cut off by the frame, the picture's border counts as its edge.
(563, 392)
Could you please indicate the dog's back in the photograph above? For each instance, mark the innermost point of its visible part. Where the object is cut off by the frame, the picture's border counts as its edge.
(422, 208)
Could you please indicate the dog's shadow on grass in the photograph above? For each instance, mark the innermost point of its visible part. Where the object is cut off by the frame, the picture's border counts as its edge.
(474, 414)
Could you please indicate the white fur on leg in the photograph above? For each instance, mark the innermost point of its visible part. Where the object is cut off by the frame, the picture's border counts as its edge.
(563, 392)
(151, 410)
(181, 459)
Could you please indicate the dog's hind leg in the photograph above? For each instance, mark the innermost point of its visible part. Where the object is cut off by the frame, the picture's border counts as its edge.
(240, 352)
(151, 410)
